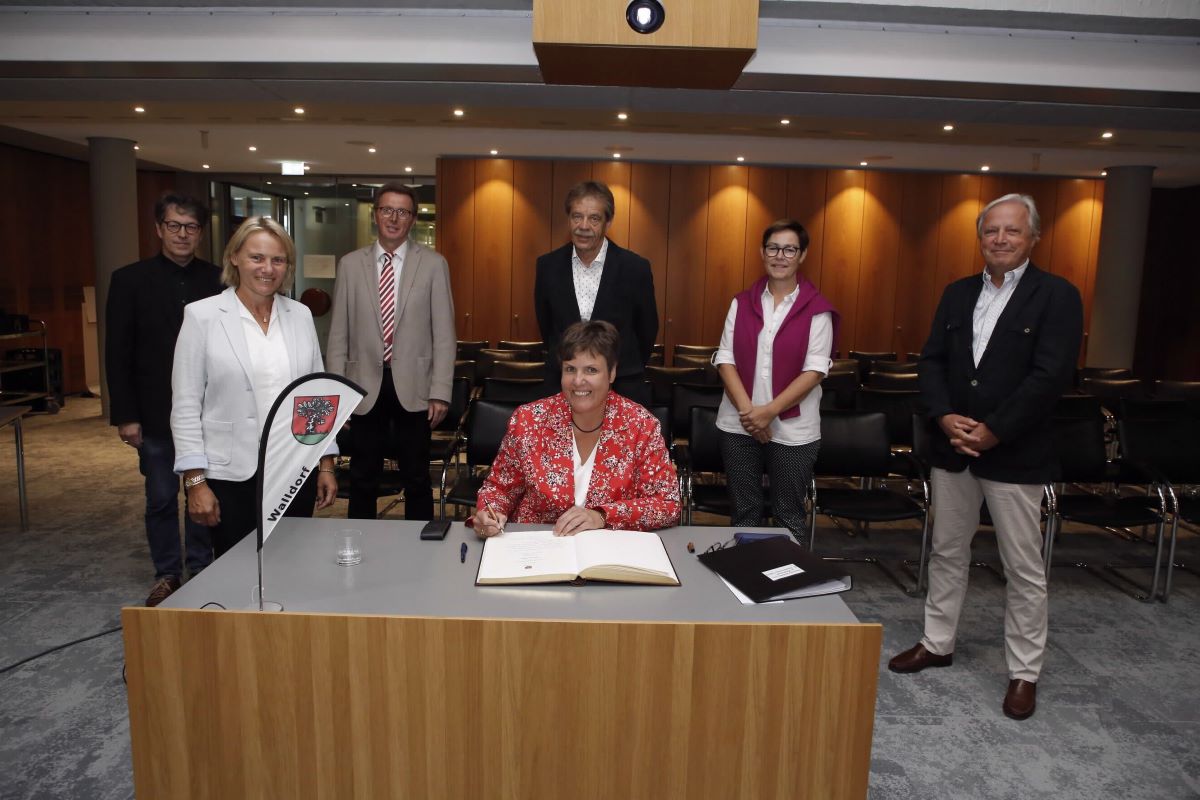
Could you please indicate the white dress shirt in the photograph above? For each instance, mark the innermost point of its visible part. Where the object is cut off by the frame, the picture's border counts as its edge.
(587, 280)
(990, 306)
(805, 428)
(268, 358)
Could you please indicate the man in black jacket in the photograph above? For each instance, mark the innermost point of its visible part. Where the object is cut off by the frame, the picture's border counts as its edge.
(144, 314)
(590, 278)
(1002, 350)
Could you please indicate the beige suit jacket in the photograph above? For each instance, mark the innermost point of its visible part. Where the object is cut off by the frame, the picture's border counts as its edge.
(424, 344)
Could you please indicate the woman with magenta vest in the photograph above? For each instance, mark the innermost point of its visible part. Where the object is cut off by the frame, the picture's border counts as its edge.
(774, 352)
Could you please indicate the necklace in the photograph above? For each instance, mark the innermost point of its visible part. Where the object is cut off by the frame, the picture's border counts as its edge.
(586, 430)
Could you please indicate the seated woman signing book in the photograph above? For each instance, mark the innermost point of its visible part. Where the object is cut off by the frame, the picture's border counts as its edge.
(583, 459)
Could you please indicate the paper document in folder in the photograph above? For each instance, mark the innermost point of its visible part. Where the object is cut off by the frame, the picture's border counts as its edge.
(775, 569)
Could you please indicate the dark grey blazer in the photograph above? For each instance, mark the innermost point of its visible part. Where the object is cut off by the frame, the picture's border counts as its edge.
(1029, 362)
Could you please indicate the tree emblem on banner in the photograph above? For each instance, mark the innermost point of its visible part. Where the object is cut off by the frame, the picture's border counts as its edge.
(313, 417)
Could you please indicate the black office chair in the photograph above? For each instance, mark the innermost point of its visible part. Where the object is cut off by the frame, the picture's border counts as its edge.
(703, 471)
(486, 424)
(891, 380)
(1177, 390)
(469, 350)
(1112, 390)
(519, 370)
(711, 376)
(702, 350)
(1078, 406)
(516, 390)
(663, 379)
(663, 415)
(893, 366)
(1082, 458)
(537, 349)
(465, 368)
(838, 390)
(442, 438)
(1169, 450)
(897, 405)
(685, 397)
(661, 349)
(485, 361)
(854, 444)
(1118, 373)
(656, 360)
(866, 359)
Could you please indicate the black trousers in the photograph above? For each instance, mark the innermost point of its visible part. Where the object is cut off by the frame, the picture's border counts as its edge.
(389, 431)
(239, 513)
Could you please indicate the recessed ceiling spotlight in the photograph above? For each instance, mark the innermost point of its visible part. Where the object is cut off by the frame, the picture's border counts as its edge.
(1103, 173)
(207, 167)
(347, 205)
(408, 169)
(494, 152)
(645, 16)
(306, 194)
(298, 110)
(985, 168)
(253, 149)
(458, 112)
(139, 109)
(137, 147)
(370, 149)
(862, 163)
(1106, 135)
(622, 115)
(741, 158)
(268, 183)
(307, 167)
(616, 155)
(947, 127)
(785, 121)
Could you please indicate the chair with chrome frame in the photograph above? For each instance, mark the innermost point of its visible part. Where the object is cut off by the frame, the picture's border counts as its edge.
(854, 444)
(483, 431)
(703, 458)
(1083, 464)
(442, 438)
(1169, 450)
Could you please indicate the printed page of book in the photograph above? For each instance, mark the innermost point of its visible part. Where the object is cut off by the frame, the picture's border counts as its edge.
(527, 557)
(633, 556)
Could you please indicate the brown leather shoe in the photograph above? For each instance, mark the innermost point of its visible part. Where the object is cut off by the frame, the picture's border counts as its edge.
(918, 658)
(1021, 699)
(163, 588)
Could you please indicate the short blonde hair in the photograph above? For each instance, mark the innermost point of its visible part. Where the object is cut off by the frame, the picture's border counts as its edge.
(253, 225)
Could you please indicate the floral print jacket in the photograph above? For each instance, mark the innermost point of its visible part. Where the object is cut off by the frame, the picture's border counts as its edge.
(633, 480)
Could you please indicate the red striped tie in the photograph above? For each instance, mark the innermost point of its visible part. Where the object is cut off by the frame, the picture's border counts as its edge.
(387, 305)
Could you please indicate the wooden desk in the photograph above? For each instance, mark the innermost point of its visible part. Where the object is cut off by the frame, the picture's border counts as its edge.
(600, 691)
(11, 415)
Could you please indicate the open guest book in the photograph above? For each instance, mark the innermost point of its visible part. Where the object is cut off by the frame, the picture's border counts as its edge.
(542, 557)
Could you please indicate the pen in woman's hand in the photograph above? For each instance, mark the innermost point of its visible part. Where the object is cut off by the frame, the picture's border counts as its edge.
(487, 504)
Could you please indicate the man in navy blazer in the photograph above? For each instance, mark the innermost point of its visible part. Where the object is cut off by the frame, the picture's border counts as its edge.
(590, 278)
(1002, 350)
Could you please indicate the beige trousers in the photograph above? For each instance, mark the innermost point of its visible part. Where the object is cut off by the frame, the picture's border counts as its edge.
(1016, 513)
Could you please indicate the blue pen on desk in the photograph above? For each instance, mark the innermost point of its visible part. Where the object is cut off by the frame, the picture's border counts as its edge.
(462, 553)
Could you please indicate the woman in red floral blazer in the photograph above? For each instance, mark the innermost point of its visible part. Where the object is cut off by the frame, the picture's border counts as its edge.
(585, 458)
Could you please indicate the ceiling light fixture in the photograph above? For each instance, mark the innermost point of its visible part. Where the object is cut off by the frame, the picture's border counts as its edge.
(1106, 135)
(1103, 173)
(268, 183)
(645, 16)
(370, 149)
(306, 166)
(494, 152)
(408, 169)
(741, 158)
(458, 112)
(306, 194)
(298, 110)
(139, 109)
(253, 149)
(622, 115)
(985, 168)
(785, 121)
(616, 155)
(137, 147)
(947, 127)
(207, 167)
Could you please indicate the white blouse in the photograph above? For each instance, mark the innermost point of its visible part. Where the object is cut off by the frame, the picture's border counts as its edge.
(268, 358)
(805, 428)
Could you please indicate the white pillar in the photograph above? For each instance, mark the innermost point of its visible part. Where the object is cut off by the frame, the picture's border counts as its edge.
(1118, 291)
(114, 224)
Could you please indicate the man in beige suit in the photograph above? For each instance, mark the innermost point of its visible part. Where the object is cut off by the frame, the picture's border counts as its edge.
(392, 333)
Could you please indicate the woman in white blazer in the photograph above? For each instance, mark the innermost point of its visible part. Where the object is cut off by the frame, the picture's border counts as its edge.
(235, 353)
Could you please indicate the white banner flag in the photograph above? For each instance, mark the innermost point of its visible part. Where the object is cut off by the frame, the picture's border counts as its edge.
(300, 427)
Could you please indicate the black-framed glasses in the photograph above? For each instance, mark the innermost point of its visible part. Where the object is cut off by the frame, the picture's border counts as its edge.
(712, 548)
(789, 251)
(394, 213)
(175, 227)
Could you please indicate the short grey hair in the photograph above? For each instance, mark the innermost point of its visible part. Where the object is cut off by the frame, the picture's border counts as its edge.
(1035, 220)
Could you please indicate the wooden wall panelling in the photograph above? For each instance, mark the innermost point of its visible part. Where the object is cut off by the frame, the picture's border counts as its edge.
(1072, 231)
(17, 264)
(456, 235)
(917, 289)
(1093, 260)
(532, 235)
(843, 249)
(649, 214)
(726, 247)
(958, 246)
(882, 198)
(686, 255)
(493, 248)
(766, 201)
(806, 203)
(616, 174)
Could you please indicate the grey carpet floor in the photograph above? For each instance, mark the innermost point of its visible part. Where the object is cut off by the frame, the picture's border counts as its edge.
(1118, 704)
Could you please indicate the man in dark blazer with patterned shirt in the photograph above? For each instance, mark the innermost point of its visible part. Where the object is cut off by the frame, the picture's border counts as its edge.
(143, 317)
(1002, 350)
(590, 278)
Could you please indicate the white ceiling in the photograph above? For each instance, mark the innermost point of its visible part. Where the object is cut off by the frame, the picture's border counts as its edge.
(857, 81)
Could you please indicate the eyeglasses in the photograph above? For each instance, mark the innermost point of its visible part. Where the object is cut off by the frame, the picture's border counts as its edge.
(393, 213)
(175, 227)
(789, 251)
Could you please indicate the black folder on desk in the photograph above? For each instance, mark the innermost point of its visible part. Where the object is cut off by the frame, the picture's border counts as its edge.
(776, 569)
